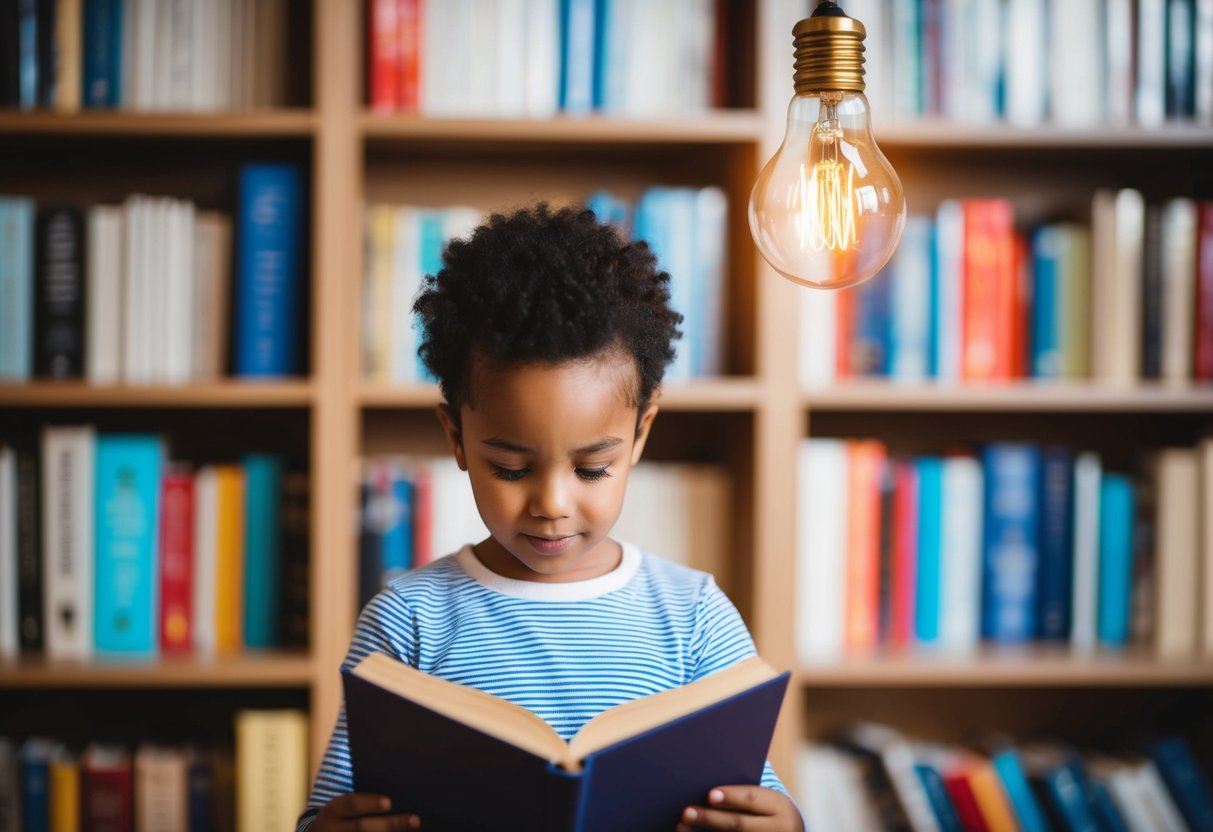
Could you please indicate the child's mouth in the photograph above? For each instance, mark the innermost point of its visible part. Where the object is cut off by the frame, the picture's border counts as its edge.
(549, 546)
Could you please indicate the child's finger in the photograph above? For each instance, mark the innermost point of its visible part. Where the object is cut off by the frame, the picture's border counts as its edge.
(701, 817)
(753, 799)
(357, 804)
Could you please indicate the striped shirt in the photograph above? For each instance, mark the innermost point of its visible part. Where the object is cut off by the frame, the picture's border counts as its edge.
(566, 651)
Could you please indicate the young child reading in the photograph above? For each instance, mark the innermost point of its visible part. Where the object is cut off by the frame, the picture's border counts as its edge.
(549, 337)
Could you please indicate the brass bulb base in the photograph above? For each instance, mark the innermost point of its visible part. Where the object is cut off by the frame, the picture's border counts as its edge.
(829, 54)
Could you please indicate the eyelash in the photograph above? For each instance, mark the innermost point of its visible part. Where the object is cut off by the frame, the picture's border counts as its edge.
(515, 474)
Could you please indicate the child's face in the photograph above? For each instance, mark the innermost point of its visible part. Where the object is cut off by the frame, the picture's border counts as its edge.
(548, 449)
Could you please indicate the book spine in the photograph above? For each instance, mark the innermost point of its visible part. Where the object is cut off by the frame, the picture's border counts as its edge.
(927, 604)
(1010, 558)
(229, 557)
(1151, 296)
(1055, 577)
(1046, 326)
(1027, 811)
(409, 21)
(1186, 783)
(271, 768)
(126, 599)
(988, 284)
(45, 13)
(296, 517)
(59, 303)
(29, 550)
(108, 799)
(177, 561)
(268, 278)
(866, 461)
(1115, 560)
(35, 792)
(16, 288)
(262, 549)
(1203, 369)
(67, 508)
(384, 55)
(577, 63)
(102, 53)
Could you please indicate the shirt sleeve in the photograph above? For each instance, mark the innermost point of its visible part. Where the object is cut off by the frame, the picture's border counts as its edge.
(385, 626)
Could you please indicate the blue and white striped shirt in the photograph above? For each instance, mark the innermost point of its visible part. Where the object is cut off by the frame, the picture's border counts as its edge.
(566, 651)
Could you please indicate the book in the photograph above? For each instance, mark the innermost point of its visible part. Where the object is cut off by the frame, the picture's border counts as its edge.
(16, 289)
(59, 292)
(262, 596)
(67, 543)
(476, 761)
(271, 768)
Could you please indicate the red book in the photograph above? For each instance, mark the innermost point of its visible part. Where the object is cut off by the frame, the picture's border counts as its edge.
(960, 789)
(106, 790)
(423, 516)
(844, 332)
(1021, 307)
(1203, 364)
(408, 27)
(866, 459)
(988, 282)
(177, 561)
(384, 49)
(905, 553)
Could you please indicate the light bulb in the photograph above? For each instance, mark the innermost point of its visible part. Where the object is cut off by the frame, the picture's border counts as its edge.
(828, 210)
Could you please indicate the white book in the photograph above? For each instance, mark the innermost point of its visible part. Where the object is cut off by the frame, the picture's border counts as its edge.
(211, 278)
(203, 31)
(821, 548)
(817, 361)
(9, 624)
(133, 349)
(710, 236)
(1177, 569)
(1116, 291)
(224, 11)
(68, 485)
(985, 42)
(1150, 104)
(617, 48)
(960, 554)
(161, 789)
(376, 285)
(155, 297)
(542, 58)
(831, 790)
(949, 297)
(1125, 789)
(1178, 288)
(650, 61)
(485, 50)
(1088, 471)
(179, 315)
(405, 284)
(1119, 88)
(697, 67)
(455, 520)
(509, 71)
(873, 14)
(104, 305)
(905, 55)
(206, 547)
(1164, 812)
(911, 313)
(1203, 61)
(1026, 51)
(143, 53)
(1205, 555)
(180, 61)
(1076, 94)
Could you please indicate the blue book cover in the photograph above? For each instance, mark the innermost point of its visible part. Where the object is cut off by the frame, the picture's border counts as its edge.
(102, 87)
(909, 324)
(200, 788)
(1010, 550)
(27, 51)
(1104, 807)
(1055, 581)
(1009, 769)
(937, 794)
(431, 239)
(262, 555)
(1188, 785)
(708, 241)
(1048, 247)
(16, 288)
(927, 588)
(269, 278)
(871, 332)
(1066, 794)
(398, 536)
(35, 775)
(1113, 599)
(127, 529)
(577, 55)
(657, 224)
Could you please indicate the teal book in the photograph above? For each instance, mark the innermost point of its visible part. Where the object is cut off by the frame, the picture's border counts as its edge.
(1009, 769)
(927, 612)
(463, 759)
(262, 549)
(127, 530)
(1115, 560)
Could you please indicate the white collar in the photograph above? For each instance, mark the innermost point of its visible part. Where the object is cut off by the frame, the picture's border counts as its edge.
(546, 591)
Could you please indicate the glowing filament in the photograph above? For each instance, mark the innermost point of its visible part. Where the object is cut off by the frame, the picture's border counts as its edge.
(829, 221)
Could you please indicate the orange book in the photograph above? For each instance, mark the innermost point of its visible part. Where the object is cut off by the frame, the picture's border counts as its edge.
(229, 557)
(64, 808)
(991, 800)
(408, 26)
(384, 51)
(866, 459)
(844, 331)
(989, 290)
(905, 554)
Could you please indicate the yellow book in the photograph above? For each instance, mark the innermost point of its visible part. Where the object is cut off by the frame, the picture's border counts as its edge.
(377, 306)
(229, 558)
(991, 799)
(271, 769)
(64, 793)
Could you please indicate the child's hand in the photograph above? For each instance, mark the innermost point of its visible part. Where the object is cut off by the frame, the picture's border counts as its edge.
(746, 808)
(362, 812)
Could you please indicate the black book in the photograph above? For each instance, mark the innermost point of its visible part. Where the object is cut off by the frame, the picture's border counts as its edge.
(59, 292)
(10, 53)
(29, 547)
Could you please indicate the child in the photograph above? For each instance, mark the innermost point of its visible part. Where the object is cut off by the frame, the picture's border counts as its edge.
(549, 338)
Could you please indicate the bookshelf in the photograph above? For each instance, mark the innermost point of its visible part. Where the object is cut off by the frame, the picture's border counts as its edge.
(750, 420)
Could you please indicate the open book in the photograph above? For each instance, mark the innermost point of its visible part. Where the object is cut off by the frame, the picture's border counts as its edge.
(465, 759)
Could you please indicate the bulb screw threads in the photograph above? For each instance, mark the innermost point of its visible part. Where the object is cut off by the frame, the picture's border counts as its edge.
(829, 53)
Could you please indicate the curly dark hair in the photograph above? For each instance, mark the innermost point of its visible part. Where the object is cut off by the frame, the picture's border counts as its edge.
(544, 285)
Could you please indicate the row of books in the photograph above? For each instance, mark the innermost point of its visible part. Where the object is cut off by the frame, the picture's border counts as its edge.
(107, 548)
(416, 508)
(968, 297)
(142, 292)
(138, 55)
(534, 58)
(261, 784)
(1010, 544)
(1080, 63)
(870, 776)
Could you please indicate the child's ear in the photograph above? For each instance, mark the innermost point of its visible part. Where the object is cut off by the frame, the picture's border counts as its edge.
(642, 432)
(453, 437)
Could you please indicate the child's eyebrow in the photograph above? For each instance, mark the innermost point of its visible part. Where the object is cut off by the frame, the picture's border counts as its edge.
(604, 444)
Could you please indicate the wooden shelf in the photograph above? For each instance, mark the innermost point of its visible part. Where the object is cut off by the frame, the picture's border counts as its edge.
(250, 124)
(223, 394)
(248, 669)
(1028, 667)
(720, 394)
(1012, 397)
(938, 135)
(716, 127)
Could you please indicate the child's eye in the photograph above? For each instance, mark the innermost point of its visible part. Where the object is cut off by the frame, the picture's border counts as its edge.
(509, 474)
(593, 474)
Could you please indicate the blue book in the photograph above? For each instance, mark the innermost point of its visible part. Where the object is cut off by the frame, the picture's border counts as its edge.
(657, 225)
(16, 288)
(431, 239)
(127, 530)
(1188, 785)
(36, 784)
(1009, 769)
(269, 279)
(577, 55)
(102, 82)
(262, 549)
(909, 327)
(1048, 248)
(708, 239)
(927, 612)
(1113, 604)
(937, 794)
(1065, 792)
(398, 536)
(1055, 579)
(27, 50)
(1104, 807)
(870, 336)
(1010, 546)
(200, 789)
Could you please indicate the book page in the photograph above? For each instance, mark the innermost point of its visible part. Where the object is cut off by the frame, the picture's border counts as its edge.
(489, 714)
(640, 715)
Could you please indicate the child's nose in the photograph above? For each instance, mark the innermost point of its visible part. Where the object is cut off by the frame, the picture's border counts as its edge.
(550, 498)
